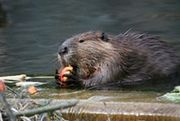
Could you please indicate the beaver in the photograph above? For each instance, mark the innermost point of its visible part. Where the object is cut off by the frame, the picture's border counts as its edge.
(129, 58)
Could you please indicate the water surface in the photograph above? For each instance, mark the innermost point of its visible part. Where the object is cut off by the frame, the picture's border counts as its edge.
(29, 43)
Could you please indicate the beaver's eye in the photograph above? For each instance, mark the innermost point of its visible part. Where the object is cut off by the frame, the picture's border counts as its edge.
(81, 41)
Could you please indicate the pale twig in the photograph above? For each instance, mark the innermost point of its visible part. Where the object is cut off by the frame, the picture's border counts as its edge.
(48, 108)
(7, 107)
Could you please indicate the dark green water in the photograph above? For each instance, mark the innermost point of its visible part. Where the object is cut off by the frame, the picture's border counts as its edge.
(29, 43)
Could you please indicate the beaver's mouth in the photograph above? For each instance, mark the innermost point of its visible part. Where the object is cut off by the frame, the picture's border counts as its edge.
(67, 62)
(74, 80)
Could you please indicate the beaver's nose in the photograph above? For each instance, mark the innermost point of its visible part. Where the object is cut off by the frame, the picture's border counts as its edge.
(63, 50)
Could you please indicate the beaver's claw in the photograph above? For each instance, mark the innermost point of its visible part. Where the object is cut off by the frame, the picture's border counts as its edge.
(66, 77)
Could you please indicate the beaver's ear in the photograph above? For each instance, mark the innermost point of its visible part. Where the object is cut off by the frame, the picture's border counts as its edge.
(104, 37)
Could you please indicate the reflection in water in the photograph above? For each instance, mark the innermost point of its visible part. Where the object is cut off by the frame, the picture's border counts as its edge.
(3, 20)
(30, 42)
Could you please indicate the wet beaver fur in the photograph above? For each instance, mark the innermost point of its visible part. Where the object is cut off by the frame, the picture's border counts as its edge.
(126, 59)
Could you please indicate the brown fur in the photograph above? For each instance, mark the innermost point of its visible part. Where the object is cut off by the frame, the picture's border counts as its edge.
(126, 58)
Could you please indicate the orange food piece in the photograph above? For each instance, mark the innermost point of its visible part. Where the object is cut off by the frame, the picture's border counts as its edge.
(64, 78)
(65, 70)
(2, 86)
(32, 90)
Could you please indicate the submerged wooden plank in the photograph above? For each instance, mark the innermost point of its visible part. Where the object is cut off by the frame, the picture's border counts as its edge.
(88, 110)
(129, 108)
(123, 111)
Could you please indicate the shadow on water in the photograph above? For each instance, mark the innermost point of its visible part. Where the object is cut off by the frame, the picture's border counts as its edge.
(3, 19)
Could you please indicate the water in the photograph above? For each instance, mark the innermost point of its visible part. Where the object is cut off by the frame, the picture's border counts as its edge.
(29, 43)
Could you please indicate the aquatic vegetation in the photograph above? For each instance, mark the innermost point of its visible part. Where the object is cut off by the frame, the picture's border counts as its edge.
(173, 96)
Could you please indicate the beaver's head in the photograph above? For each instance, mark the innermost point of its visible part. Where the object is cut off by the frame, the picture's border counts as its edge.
(86, 51)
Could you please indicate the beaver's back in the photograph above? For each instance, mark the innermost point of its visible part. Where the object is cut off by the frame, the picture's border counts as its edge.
(159, 57)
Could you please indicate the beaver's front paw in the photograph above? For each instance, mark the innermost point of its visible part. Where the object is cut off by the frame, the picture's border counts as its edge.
(66, 77)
